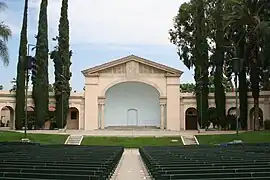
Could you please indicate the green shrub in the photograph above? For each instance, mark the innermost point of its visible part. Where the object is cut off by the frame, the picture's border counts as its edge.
(267, 124)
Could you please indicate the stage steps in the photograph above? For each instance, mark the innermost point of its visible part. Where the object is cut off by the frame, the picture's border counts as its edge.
(74, 140)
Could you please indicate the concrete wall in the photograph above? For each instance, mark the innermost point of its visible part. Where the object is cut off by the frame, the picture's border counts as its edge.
(133, 104)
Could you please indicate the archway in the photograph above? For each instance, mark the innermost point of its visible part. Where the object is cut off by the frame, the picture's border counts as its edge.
(73, 118)
(7, 117)
(191, 119)
(132, 101)
(255, 125)
(231, 122)
(31, 119)
(50, 122)
(232, 111)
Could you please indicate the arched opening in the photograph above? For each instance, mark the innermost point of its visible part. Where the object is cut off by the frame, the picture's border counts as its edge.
(232, 119)
(50, 123)
(232, 111)
(31, 119)
(255, 125)
(73, 118)
(132, 104)
(7, 117)
(191, 119)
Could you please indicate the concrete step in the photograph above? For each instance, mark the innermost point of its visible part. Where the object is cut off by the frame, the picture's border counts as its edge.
(189, 140)
(74, 140)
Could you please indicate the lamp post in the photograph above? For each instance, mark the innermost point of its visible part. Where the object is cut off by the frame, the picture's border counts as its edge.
(62, 101)
(237, 67)
(26, 84)
(200, 84)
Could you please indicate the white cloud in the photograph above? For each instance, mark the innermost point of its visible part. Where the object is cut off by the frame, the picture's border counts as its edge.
(14, 28)
(12, 23)
(115, 21)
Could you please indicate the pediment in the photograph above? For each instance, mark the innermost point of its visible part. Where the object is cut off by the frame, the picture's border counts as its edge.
(130, 64)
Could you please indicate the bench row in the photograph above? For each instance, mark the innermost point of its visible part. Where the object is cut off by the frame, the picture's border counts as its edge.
(24, 161)
(208, 162)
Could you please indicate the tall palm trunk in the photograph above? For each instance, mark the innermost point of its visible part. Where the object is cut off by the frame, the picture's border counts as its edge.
(243, 89)
(243, 86)
(253, 49)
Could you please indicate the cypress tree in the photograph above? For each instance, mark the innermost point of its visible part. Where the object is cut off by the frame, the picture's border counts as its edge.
(202, 62)
(20, 80)
(220, 97)
(61, 56)
(41, 82)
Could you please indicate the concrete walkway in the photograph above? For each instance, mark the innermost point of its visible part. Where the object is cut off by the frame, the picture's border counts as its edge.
(131, 167)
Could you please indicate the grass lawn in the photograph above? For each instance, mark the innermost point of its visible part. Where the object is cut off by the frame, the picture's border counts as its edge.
(246, 137)
(131, 142)
(9, 136)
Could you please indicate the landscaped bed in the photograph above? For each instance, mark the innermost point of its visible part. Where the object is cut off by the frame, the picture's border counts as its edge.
(8, 136)
(132, 142)
(246, 137)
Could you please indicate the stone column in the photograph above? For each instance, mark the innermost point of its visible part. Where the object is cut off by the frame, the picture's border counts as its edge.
(162, 116)
(102, 115)
(182, 115)
(162, 102)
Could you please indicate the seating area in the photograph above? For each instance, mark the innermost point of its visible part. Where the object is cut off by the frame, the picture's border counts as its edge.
(21, 161)
(245, 161)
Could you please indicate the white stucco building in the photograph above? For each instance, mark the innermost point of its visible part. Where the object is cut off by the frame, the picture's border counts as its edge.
(132, 91)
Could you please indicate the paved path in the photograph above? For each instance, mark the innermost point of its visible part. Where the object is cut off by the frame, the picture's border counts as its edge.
(131, 167)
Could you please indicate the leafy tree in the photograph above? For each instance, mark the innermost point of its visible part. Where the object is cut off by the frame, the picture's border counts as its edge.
(191, 87)
(40, 84)
(61, 57)
(5, 34)
(14, 85)
(218, 59)
(188, 87)
(1, 87)
(201, 55)
(21, 65)
(190, 37)
(234, 29)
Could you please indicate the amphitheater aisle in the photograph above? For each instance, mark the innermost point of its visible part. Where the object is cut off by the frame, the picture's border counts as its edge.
(130, 167)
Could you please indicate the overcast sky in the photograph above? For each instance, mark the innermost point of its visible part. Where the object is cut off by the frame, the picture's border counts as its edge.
(100, 31)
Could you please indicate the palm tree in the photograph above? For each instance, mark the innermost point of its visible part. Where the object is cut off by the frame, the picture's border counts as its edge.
(247, 14)
(5, 34)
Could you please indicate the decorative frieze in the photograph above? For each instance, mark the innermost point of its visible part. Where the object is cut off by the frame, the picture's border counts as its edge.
(144, 69)
(119, 69)
(132, 69)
